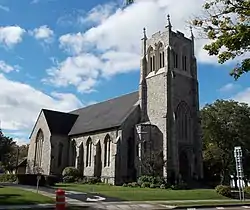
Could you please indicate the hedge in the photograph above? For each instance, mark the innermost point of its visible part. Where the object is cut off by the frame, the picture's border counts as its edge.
(7, 178)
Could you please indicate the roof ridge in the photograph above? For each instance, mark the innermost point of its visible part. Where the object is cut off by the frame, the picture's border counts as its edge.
(110, 99)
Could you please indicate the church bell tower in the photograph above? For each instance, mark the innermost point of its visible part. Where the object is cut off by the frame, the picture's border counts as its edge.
(169, 102)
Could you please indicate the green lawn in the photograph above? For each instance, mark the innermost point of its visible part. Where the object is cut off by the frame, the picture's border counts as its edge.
(209, 203)
(17, 196)
(143, 194)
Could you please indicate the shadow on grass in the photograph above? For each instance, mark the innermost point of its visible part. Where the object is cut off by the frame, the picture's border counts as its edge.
(235, 195)
(15, 199)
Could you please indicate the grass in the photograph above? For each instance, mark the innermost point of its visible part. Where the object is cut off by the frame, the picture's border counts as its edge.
(144, 194)
(17, 196)
(208, 203)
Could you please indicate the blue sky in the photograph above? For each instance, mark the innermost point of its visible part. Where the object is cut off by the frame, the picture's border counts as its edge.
(65, 54)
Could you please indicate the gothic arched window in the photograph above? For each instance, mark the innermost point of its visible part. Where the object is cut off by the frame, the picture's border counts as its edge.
(60, 152)
(39, 149)
(107, 151)
(89, 152)
(161, 55)
(151, 59)
(73, 153)
(184, 59)
(183, 119)
(176, 59)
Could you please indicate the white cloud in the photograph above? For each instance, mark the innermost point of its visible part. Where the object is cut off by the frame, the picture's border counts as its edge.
(11, 35)
(72, 43)
(243, 96)
(4, 8)
(98, 14)
(21, 141)
(80, 71)
(43, 33)
(6, 67)
(229, 87)
(115, 38)
(18, 111)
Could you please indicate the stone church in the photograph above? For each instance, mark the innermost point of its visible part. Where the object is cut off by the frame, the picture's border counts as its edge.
(110, 139)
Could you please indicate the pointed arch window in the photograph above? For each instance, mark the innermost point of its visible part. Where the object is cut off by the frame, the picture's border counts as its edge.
(175, 59)
(60, 152)
(107, 151)
(151, 58)
(184, 63)
(73, 153)
(183, 122)
(39, 149)
(161, 55)
(89, 146)
(184, 58)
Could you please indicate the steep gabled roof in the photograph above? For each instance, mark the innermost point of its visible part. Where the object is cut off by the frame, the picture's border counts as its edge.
(59, 122)
(104, 115)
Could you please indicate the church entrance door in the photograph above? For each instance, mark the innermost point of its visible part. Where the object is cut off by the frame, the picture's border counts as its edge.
(184, 166)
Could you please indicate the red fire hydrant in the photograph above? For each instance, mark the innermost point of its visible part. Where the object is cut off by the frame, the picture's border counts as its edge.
(60, 200)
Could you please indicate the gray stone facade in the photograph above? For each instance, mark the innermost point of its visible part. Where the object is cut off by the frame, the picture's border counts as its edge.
(164, 118)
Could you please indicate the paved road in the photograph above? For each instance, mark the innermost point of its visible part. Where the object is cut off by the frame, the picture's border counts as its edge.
(218, 208)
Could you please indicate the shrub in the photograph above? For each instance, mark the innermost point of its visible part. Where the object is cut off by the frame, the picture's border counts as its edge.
(93, 180)
(71, 171)
(125, 185)
(68, 179)
(180, 186)
(135, 184)
(153, 185)
(157, 180)
(247, 190)
(223, 190)
(145, 184)
(151, 179)
(8, 178)
(163, 186)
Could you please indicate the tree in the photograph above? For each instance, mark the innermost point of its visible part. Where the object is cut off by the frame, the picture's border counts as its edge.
(9, 151)
(7, 146)
(225, 124)
(226, 24)
(152, 163)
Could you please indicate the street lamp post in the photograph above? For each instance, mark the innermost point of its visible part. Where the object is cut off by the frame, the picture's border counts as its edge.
(239, 170)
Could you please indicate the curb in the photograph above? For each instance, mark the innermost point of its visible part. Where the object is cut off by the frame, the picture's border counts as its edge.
(210, 206)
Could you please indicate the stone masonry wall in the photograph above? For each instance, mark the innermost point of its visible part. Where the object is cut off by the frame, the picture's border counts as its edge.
(127, 129)
(46, 151)
(107, 173)
(55, 141)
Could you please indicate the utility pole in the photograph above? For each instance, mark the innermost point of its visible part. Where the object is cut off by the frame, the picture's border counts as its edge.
(239, 170)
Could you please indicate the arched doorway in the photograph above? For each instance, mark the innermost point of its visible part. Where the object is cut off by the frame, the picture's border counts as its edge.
(184, 166)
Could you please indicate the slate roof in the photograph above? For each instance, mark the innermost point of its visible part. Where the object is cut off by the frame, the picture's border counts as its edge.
(104, 115)
(59, 122)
